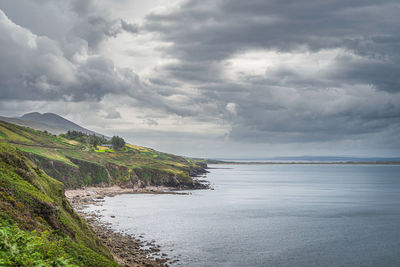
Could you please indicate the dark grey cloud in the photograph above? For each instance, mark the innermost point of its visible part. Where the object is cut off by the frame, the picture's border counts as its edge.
(215, 29)
(113, 114)
(37, 64)
(96, 29)
(129, 27)
(35, 68)
(354, 95)
(203, 32)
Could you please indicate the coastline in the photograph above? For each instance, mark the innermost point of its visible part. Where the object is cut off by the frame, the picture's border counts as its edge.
(94, 195)
(127, 250)
(301, 163)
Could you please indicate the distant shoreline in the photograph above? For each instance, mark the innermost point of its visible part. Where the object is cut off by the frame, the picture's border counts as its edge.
(304, 163)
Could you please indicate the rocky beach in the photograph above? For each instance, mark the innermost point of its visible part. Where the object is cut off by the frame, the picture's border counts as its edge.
(127, 250)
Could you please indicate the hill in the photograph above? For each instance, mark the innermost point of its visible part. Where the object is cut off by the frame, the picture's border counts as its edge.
(38, 227)
(77, 164)
(49, 122)
(30, 124)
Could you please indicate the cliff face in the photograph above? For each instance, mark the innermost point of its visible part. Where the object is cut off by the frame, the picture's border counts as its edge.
(37, 224)
(92, 174)
(77, 163)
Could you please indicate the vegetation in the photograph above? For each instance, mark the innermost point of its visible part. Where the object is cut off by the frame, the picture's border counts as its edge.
(75, 161)
(24, 248)
(92, 139)
(38, 227)
(117, 142)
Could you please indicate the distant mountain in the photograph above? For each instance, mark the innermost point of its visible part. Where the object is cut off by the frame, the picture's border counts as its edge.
(50, 122)
(30, 124)
(314, 159)
(336, 159)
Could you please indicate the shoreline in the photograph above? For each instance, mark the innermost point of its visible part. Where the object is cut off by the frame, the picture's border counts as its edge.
(94, 195)
(127, 250)
(300, 163)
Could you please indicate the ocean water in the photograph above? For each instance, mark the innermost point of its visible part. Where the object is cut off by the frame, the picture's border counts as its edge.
(273, 215)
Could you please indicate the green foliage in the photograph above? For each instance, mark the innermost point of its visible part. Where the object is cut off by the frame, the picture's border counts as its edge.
(49, 232)
(92, 139)
(2, 135)
(44, 229)
(53, 154)
(93, 172)
(24, 248)
(73, 160)
(117, 142)
(75, 135)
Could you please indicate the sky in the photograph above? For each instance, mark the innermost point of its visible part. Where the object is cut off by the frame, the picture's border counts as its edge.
(211, 78)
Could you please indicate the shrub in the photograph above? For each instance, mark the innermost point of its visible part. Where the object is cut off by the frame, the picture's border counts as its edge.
(21, 248)
(117, 142)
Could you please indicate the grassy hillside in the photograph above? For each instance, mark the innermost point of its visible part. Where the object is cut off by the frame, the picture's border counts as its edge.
(38, 227)
(77, 164)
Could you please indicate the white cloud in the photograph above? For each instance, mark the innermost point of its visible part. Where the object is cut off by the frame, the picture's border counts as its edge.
(231, 107)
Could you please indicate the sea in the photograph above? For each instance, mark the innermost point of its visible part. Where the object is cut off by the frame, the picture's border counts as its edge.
(272, 215)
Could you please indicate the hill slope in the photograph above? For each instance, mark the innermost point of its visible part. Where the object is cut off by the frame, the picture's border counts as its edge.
(38, 227)
(77, 164)
(56, 123)
(49, 122)
(30, 124)
(37, 224)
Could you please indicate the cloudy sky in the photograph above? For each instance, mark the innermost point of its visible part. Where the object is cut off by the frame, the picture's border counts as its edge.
(211, 78)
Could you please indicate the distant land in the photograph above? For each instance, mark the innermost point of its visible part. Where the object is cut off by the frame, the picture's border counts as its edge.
(56, 124)
(49, 122)
(309, 160)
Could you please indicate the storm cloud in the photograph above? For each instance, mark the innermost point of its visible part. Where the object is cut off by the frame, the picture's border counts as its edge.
(265, 75)
(296, 71)
(36, 67)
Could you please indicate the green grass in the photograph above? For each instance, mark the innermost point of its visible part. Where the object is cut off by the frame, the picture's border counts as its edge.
(110, 150)
(34, 208)
(3, 135)
(53, 150)
(49, 153)
(25, 248)
(12, 136)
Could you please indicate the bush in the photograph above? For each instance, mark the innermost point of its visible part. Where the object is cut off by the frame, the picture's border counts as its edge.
(117, 142)
(85, 138)
(20, 248)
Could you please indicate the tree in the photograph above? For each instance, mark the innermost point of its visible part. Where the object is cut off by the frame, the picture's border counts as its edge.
(94, 141)
(117, 142)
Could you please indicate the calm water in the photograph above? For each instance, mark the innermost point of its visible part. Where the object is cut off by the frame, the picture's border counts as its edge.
(274, 215)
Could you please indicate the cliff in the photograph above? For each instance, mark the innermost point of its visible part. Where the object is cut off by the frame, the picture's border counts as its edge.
(37, 224)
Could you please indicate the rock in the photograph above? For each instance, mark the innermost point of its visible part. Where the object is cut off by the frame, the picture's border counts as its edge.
(127, 250)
